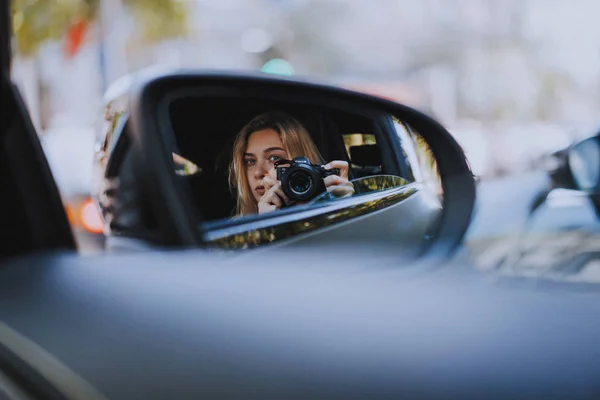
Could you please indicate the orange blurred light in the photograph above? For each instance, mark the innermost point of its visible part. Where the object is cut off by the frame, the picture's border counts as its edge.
(90, 217)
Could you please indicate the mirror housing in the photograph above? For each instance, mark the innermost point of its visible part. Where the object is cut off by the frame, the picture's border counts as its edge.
(178, 219)
(576, 167)
(584, 164)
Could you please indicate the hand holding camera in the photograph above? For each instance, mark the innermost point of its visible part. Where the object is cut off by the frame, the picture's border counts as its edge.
(299, 181)
(274, 198)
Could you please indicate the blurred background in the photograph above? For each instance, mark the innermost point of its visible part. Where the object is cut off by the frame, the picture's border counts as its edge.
(516, 76)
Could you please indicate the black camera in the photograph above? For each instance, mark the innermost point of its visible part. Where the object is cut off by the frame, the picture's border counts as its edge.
(301, 180)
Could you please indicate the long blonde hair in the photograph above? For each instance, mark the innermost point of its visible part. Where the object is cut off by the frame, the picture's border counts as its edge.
(296, 142)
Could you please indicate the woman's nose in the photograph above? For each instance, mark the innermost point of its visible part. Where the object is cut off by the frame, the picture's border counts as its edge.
(261, 170)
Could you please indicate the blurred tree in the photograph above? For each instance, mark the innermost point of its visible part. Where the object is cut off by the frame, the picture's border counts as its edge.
(36, 21)
(158, 19)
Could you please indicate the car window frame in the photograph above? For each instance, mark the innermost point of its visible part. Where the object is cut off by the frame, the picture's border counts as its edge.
(256, 226)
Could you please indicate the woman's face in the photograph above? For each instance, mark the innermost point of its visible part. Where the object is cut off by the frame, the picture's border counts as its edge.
(263, 150)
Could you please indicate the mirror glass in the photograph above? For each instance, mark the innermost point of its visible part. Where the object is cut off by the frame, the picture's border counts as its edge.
(584, 161)
(262, 169)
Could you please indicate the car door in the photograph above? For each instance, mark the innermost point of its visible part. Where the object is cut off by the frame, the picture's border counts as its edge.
(33, 216)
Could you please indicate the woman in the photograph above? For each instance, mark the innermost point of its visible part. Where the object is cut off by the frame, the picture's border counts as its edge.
(267, 138)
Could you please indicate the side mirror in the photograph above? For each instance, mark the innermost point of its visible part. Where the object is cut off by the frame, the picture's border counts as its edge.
(584, 165)
(576, 167)
(411, 184)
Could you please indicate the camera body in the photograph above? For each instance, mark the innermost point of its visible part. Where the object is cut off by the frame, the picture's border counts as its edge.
(301, 180)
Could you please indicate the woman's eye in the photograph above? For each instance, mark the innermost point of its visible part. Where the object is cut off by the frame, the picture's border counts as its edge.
(274, 158)
(249, 161)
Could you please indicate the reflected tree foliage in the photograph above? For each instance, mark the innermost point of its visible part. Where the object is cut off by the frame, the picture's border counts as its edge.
(378, 183)
(425, 157)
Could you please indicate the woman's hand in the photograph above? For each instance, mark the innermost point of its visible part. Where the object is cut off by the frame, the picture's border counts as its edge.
(339, 186)
(274, 198)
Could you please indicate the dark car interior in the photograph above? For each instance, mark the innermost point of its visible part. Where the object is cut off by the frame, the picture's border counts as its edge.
(205, 128)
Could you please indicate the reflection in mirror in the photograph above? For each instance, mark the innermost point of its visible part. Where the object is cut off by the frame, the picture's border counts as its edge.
(184, 167)
(268, 169)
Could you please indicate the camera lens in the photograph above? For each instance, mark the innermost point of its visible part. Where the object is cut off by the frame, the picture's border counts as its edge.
(300, 182)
